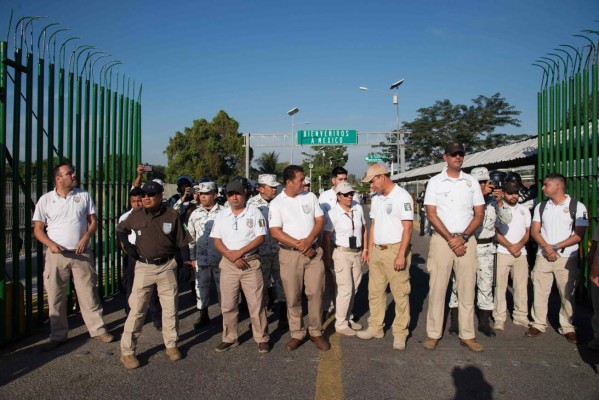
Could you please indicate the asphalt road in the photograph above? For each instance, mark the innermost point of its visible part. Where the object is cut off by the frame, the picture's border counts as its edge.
(511, 367)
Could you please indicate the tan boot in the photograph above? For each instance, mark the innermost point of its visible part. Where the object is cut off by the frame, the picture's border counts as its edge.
(472, 345)
(173, 354)
(104, 337)
(430, 343)
(130, 361)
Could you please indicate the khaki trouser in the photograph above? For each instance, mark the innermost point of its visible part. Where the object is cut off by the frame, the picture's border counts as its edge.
(297, 272)
(348, 275)
(508, 265)
(441, 261)
(232, 279)
(380, 274)
(566, 273)
(165, 278)
(57, 271)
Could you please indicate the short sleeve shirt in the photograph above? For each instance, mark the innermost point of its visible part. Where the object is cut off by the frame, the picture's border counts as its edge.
(327, 200)
(132, 235)
(388, 212)
(65, 218)
(270, 246)
(340, 221)
(516, 229)
(295, 215)
(199, 225)
(237, 231)
(454, 199)
(557, 224)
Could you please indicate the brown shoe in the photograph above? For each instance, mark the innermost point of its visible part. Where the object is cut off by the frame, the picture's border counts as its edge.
(263, 347)
(472, 345)
(104, 337)
(293, 344)
(224, 346)
(53, 344)
(173, 354)
(571, 337)
(532, 332)
(430, 343)
(130, 361)
(320, 343)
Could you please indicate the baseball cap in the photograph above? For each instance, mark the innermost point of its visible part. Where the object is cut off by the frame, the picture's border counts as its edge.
(480, 174)
(152, 187)
(206, 187)
(374, 170)
(158, 181)
(306, 181)
(344, 187)
(454, 147)
(268, 179)
(511, 187)
(235, 186)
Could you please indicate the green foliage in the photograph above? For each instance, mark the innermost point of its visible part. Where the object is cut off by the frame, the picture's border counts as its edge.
(212, 149)
(472, 125)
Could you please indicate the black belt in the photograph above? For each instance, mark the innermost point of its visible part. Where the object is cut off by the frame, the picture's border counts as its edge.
(348, 250)
(284, 246)
(155, 261)
(485, 241)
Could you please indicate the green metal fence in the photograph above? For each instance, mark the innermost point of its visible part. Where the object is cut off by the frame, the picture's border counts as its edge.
(54, 108)
(567, 123)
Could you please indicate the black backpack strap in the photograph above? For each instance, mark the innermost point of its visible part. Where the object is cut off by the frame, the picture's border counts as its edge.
(542, 206)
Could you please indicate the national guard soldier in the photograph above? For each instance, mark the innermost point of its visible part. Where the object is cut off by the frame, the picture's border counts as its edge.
(558, 225)
(237, 232)
(392, 216)
(296, 220)
(64, 221)
(269, 250)
(159, 233)
(203, 254)
(511, 258)
(346, 219)
(485, 253)
(455, 208)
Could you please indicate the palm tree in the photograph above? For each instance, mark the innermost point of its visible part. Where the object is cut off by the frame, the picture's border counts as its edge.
(267, 163)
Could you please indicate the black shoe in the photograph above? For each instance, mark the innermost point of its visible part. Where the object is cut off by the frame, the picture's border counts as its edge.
(484, 325)
(203, 319)
(453, 322)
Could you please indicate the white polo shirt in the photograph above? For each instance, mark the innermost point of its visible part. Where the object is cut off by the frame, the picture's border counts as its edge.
(454, 199)
(516, 229)
(132, 236)
(65, 218)
(295, 215)
(388, 212)
(340, 221)
(327, 200)
(237, 231)
(557, 224)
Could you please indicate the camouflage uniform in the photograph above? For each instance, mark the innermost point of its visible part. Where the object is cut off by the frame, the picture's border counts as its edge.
(485, 253)
(269, 255)
(203, 251)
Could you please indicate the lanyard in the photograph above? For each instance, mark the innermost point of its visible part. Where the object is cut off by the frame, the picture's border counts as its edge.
(352, 221)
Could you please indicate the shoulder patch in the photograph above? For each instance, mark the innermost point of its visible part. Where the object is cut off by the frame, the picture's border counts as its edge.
(407, 206)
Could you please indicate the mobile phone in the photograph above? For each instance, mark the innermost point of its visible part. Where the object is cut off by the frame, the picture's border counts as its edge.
(352, 242)
(147, 168)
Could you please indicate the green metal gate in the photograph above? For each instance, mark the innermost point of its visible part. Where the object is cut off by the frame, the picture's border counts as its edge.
(49, 114)
(567, 123)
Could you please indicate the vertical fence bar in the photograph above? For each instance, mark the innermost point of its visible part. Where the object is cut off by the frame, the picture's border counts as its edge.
(101, 250)
(27, 192)
(69, 138)
(77, 150)
(594, 144)
(572, 104)
(113, 198)
(3, 102)
(39, 248)
(557, 131)
(577, 134)
(85, 149)
(107, 193)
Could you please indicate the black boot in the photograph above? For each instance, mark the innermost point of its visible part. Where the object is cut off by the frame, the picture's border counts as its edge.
(484, 326)
(453, 321)
(283, 323)
(203, 319)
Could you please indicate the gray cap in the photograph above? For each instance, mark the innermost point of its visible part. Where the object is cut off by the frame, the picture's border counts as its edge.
(268, 179)
(206, 187)
(235, 186)
(344, 187)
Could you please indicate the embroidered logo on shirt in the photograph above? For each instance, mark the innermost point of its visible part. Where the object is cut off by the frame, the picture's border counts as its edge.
(469, 184)
(307, 208)
(76, 199)
(167, 227)
(389, 208)
(250, 223)
(407, 206)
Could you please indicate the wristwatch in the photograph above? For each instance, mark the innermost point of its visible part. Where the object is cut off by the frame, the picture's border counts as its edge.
(465, 236)
(554, 248)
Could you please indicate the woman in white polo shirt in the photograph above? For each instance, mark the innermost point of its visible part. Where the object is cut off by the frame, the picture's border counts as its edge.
(346, 218)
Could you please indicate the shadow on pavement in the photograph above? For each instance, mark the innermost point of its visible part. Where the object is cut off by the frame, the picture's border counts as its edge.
(470, 384)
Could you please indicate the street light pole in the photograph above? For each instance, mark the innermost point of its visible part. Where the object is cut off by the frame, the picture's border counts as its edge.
(401, 144)
(292, 113)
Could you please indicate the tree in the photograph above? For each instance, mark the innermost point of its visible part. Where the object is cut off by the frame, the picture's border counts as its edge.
(212, 149)
(267, 163)
(474, 126)
(323, 160)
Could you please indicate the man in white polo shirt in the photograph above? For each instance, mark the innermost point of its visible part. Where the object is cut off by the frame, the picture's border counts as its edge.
(346, 220)
(296, 220)
(237, 232)
(511, 258)
(64, 221)
(557, 233)
(455, 208)
(392, 216)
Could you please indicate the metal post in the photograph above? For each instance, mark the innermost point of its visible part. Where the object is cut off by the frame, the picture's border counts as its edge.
(247, 156)
(3, 101)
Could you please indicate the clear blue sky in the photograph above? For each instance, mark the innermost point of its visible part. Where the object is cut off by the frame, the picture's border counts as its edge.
(258, 59)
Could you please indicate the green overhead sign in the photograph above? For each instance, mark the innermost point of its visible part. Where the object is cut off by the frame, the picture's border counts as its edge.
(318, 137)
(376, 158)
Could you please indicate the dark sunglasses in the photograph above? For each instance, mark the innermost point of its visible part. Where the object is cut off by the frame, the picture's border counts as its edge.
(149, 195)
(350, 194)
(457, 153)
